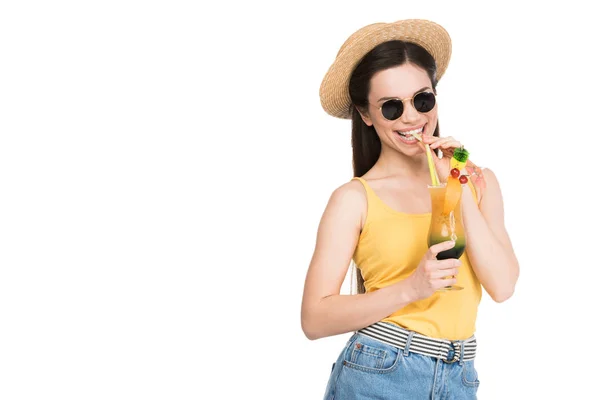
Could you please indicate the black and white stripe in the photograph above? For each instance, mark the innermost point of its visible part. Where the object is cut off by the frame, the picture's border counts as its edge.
(420, 344)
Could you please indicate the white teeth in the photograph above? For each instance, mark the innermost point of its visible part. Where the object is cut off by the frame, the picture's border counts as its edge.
(409, 133)
(409, 138)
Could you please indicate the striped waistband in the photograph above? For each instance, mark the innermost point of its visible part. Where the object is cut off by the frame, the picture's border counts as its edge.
(449, 351)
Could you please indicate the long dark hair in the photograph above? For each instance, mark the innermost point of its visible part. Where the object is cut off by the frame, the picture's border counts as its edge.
(366, 146)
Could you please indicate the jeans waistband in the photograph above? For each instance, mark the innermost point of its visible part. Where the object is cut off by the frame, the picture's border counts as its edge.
(409, 341)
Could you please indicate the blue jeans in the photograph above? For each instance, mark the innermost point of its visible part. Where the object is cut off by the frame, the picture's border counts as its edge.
(369, 369)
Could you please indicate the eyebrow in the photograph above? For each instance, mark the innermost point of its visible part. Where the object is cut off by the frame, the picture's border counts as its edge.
(392, 98)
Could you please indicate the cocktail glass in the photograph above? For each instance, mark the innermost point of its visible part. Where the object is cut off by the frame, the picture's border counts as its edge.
(446, 225)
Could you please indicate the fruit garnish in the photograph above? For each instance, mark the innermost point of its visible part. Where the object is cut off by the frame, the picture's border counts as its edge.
(455, 172)
(463, 179)
(459, 158)
(453, 192)
(461, 154)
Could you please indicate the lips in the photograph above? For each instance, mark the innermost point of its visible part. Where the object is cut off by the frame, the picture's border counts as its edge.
(411, 140)
(406, 140)
(418, 129)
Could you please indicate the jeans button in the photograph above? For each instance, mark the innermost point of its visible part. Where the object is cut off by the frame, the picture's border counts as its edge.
(450, 354)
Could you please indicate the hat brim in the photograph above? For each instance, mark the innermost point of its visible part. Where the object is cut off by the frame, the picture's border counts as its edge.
(334, 94)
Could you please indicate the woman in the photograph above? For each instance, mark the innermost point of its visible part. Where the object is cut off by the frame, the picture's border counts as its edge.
(410, 340)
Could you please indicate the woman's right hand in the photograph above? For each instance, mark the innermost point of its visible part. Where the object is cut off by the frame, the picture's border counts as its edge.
(432, 274)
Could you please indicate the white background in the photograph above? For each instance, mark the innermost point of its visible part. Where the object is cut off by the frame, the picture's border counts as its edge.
(164, 165)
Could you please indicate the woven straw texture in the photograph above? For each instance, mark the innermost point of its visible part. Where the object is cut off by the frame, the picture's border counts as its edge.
(334, 94)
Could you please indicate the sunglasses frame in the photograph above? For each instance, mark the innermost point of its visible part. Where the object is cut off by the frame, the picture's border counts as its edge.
(412, 101)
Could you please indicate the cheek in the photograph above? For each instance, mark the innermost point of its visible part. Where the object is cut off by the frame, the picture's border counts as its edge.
(432, 120)
(381, 124)
(378, 129)
(432, 115)
(382, 130)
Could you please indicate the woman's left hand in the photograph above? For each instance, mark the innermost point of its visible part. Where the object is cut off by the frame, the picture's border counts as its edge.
(447, 146)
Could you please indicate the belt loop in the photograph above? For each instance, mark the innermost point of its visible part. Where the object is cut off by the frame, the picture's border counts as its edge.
(461, 360)
(408, 342)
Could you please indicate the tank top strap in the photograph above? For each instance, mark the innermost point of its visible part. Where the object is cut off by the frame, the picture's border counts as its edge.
(370, 193)
(365, 185)
(375, 208)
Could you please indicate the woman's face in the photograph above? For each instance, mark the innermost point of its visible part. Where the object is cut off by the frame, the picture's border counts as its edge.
(401, 82)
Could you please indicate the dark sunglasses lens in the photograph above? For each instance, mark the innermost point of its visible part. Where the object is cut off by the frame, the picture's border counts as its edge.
(392, 109)
(424, 102)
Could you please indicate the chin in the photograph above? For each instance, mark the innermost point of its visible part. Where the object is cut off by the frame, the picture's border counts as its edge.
(409, 151)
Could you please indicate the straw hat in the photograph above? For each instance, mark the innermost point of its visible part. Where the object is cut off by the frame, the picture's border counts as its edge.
(335, 97)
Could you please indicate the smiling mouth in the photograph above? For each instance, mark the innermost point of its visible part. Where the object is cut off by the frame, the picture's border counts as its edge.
(409, 136)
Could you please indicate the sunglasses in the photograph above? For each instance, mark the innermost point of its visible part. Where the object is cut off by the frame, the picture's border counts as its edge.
(423, 102)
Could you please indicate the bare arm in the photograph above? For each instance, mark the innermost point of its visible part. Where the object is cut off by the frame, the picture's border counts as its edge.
(324, 311)
(490, 250)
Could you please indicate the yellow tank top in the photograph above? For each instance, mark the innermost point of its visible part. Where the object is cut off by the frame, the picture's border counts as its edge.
(389, 249)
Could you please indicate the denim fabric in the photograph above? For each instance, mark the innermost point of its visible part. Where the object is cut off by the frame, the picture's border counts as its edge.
(369, 369)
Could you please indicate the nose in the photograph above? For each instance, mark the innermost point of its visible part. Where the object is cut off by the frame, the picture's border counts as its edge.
(410, 114)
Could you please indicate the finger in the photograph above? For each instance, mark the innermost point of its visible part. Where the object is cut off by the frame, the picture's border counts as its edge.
(448, 264)
(431, 140)
(440, 283)
(446, 143)
(442, 265)
(437, 140)
(438, 248)
(454, 144)
(445, 273)
(442, 269)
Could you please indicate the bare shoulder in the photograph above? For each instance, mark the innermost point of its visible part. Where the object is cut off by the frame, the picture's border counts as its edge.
(489, 175)
(492, 204)
(348, 201)
(350, 193)
(492, 186)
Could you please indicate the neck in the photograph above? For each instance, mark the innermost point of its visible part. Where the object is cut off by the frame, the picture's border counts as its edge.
(394, 163)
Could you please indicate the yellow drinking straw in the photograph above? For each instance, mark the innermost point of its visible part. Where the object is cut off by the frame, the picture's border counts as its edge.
(435, 180)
